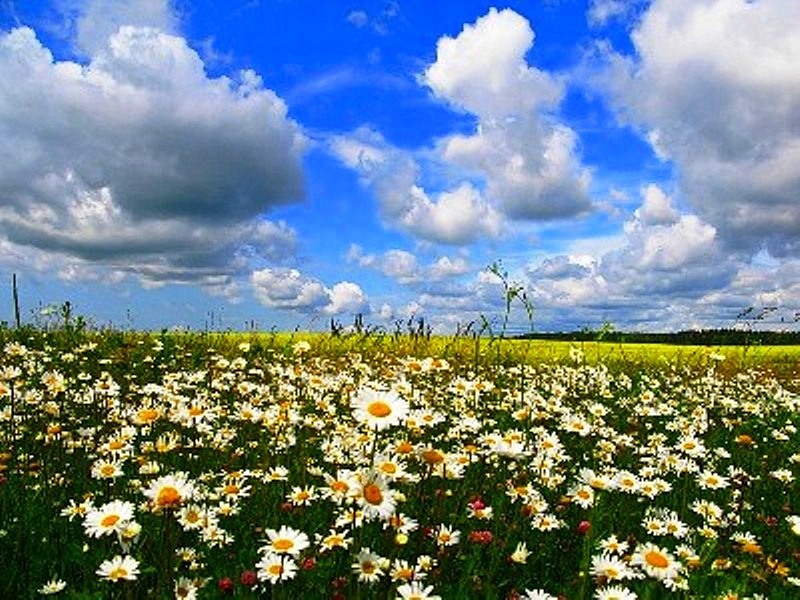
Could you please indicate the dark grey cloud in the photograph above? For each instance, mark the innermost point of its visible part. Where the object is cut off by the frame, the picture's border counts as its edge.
(138, 161)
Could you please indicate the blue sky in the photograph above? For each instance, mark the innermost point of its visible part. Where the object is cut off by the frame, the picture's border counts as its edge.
(186, 163)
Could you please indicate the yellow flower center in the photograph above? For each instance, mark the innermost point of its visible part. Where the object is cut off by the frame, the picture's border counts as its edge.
(656, 559)
(404, 574)
(168, 496)
(118, 573)
(107, 470)
(379, 409)
(433, 457)
(146, 415)
(276, 569)
(109, 520)
(283, 545)
(404, 447)
(373, 494)
(195, 411)
(231, 489)
(302, 496)
(388, 467)
(339, 486)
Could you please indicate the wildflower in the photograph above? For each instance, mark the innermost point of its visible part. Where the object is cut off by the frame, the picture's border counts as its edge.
(193, 516)
(185, 588)
(225, 585)
(275, 568)
(248, 578)
(612, 544)
(286, 541)
(538, 594)
(583, 496)
(794, 523)
(77, 509)
(110, 518)
(301, 496)
(614, 592)
(520, 554)
(583, 527)
(334, 540)
(711, 481)
(655, 562)
(54, 586)
(415, 591)
(446, 536)
(482, 537)
(368, 566)
(106, 469)
(782, 475)
(375, 497)
(610, 568)
(169, 491)
(402, 571)
(119, 567)
(378, 409)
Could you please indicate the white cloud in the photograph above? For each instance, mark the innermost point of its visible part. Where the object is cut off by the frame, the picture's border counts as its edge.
(405, 268)
(529, 160)
(288, 289)
(483, 69)
(138, 161)
(714, 86)
(346, 298)
(455, 216)
(657, 208)
(601, 12)
(100, 19)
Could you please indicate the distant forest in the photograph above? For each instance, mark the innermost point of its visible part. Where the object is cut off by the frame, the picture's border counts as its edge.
(703, 337)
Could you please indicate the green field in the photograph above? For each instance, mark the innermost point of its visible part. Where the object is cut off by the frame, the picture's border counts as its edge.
(374, 466)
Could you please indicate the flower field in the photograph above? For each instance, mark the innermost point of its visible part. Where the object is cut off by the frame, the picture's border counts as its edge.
(137, 466)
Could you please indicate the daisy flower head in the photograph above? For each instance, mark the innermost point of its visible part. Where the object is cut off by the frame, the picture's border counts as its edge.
(274, 568)
(286, 540)
(170, 491)
(334, 539)
(378, 409)
(375, 497)
(119, 568)
(794, 523)
(54, 586)
(520, 554)
(369, 566)
(538, 595)
(110, 518)
(104, 468)
(416, 591)
(610, 568)
(614, 592)
(656, 562)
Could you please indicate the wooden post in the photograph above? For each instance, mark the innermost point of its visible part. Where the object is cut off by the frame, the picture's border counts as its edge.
(16, 300)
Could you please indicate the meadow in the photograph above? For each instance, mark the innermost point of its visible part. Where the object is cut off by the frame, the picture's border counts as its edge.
(358, 466)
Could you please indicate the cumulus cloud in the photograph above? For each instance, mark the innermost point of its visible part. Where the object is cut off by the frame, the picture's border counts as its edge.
(528, 159)
(456, 216)
(140, 162)
(714, 87)
(405, 268)
(100, 19)
(288, 289)
(666, 263)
